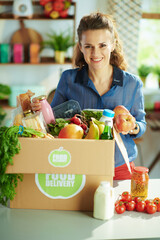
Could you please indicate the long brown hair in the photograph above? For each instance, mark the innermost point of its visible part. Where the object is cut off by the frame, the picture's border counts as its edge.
(97, 21)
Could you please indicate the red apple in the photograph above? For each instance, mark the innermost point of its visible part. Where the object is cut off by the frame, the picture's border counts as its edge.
(120, 109)
(63, 13)
(58, 6)
(71, 131)
(124, 122)
(48, 9)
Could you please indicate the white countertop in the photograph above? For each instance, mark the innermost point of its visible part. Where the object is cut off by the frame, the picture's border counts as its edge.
(21, 224)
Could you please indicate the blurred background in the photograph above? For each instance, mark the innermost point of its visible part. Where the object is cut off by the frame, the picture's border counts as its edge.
(27, 63)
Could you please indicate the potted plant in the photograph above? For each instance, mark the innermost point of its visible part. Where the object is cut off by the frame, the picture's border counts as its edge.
(5, 91)
(156, 70)
(59, 42)
(143, 71)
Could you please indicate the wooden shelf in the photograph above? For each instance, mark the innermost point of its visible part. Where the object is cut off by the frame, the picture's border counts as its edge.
(151, 15)
(43, 61)
(36, 16)
(9, 3)
(39, 16)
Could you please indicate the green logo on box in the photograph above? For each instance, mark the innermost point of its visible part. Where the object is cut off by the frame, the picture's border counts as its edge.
(60, 186)
(59, 158)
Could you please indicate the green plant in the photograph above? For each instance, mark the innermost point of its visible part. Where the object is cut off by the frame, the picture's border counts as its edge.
(2, 114)
(156, 70)
(9, 147)
(4, 91)
(58, 42)
(144, 70)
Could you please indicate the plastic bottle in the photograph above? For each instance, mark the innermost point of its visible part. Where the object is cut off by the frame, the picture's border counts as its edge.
(107, 115)
(104, 201)
(139, 182)
(107, 132)
(46, 110)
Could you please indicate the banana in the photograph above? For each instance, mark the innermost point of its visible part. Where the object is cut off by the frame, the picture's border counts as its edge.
(93, 132)
(100, 125)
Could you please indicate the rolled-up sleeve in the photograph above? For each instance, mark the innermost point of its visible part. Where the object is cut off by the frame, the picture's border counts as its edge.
(137, 109)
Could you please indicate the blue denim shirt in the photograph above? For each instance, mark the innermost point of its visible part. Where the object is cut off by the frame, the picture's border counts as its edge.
(126, 90)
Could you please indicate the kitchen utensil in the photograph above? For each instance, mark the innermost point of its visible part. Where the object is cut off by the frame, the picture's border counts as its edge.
(26, 36)
(22, 8)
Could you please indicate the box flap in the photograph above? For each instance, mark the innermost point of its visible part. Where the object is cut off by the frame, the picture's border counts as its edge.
(122, 148)
(90, 157)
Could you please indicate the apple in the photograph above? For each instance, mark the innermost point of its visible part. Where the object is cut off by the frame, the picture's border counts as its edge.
(120, 109)
(48, 9)
(124, 122)
(63, 13)
(71, 131)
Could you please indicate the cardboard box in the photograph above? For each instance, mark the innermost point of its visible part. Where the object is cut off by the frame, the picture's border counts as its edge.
(61, 174)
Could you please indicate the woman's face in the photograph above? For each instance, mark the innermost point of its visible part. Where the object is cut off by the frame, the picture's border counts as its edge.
(96, 46)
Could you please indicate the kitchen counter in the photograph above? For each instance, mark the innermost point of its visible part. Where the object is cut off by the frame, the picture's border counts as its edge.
(18, 224)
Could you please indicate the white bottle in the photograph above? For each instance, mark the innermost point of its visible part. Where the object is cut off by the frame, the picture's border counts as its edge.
(104, 201)
(107, 115)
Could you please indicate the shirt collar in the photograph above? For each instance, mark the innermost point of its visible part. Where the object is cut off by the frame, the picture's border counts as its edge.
(82, 76)
(117, 76)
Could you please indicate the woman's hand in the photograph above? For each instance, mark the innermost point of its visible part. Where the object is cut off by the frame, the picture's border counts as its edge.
(35, 105)
(131, 131)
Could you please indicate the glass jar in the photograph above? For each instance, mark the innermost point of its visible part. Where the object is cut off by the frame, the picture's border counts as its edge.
(46, 110)
(139, 182)
(34, 121)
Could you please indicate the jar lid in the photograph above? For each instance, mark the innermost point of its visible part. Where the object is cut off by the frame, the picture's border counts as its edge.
(41, 97)
(27, 112)
(141, 169)
(108, 113)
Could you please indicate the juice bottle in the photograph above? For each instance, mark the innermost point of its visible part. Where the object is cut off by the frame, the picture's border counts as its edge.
(107, 133)
(46, 110)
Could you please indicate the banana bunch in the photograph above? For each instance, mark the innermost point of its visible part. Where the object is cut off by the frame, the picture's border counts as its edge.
(95, 129)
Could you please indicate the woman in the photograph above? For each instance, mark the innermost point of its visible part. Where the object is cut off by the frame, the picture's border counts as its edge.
(101, 82)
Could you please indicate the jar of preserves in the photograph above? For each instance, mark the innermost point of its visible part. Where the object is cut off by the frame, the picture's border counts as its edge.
(139, 182)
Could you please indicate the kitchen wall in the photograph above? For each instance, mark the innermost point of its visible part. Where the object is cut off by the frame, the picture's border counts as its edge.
(48, 75)
(45, 75)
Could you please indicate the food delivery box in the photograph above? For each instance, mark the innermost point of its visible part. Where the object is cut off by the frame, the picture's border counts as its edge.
(61, 174)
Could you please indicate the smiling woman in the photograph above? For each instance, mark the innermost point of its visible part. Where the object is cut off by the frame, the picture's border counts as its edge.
(100, 81)
(97, 47)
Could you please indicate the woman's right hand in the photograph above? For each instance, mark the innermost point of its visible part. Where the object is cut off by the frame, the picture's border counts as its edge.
(35, 105)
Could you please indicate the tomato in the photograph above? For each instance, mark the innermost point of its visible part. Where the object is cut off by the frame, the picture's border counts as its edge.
(137, 199)
(148, 201)
(151, 208)
(118, 202)
(126, 196)
(140, 206)
(156, 201)
(130, 206)
(120, 208)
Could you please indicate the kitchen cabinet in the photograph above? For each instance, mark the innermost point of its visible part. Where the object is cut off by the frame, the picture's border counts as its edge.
(6, 14)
